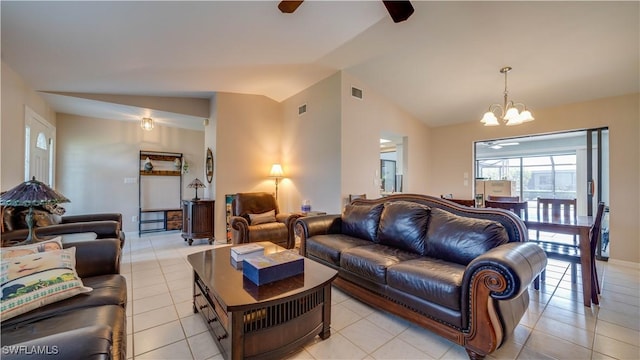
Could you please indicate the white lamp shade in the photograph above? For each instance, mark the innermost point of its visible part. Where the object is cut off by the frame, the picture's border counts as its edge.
(512, 114)
(526, 116)
(514, 121)
(490, 119)
(276, 171)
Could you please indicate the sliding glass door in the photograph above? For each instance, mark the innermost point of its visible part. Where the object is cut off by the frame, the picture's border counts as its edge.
(563, 165)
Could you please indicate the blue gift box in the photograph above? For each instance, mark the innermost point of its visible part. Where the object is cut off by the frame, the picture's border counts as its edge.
(264, 269)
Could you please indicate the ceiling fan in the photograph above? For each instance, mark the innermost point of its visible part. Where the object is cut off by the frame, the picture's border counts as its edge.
(399, 10)
(496, 145)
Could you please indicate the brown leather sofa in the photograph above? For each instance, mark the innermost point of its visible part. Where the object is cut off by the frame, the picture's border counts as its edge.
(85, 326)
(14, 228)
(458, 271)
(245, 227)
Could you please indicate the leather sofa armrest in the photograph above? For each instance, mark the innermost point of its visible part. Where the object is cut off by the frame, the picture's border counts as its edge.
(96, 257)
(239, 229)
(93, 342)
(103, 229)
(91, 217)
(514, 266)
(306, 227)
(287, 218)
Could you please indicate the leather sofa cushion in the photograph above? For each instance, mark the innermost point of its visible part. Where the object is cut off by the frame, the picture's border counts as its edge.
(431, 279)
(107, 290)
(111, 316)
(403, 224)
(461, 239)
(371, 261)
(329, 247)
(361, 221)
(95, 344)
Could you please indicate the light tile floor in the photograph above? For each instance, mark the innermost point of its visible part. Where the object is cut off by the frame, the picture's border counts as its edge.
(162, 325)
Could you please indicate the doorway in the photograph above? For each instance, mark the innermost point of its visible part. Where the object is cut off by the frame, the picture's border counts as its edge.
(393, 163)
(39, 148)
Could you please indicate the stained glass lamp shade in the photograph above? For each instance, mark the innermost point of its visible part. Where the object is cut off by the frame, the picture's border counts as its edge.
(29, 194)
(196, 184)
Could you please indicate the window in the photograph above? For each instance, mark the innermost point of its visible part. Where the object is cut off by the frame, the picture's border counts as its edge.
(41, 142)
(535, 176)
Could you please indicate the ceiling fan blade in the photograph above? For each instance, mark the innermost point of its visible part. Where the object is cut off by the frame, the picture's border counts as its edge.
(399, 10)
(288, 6)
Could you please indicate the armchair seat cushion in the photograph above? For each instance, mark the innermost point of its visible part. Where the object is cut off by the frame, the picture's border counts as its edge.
(371, 261)
(267, 232)
(432, 279)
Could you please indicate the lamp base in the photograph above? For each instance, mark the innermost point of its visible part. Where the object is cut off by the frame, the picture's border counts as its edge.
(195, 199)
(31, 238)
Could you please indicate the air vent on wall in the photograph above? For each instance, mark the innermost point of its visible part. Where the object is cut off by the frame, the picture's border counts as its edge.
(302, 109)
(356, 93)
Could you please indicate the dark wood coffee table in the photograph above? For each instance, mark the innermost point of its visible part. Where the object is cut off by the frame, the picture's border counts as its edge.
(268, 321)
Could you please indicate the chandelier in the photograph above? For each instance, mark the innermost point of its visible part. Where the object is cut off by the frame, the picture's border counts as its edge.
(146, 124)
(511, 112)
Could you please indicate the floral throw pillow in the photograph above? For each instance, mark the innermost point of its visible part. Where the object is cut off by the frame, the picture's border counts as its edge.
(22, 250)
(31, 281)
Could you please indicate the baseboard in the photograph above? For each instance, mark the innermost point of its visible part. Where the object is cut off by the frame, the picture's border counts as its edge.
(629, 264)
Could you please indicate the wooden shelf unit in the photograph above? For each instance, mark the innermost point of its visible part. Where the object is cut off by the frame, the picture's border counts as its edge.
(165, 219)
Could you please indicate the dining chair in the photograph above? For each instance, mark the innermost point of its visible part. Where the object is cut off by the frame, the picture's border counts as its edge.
(571, 253)
(465, 202)
(594, 239)
(556, 210)
(519, 208)
(356, 196)
(503, 198)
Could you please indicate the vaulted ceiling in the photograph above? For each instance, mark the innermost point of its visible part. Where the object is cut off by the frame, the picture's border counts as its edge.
(441, 65)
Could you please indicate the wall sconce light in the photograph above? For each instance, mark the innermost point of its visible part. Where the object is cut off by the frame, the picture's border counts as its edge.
(276, 173)
(146, 124)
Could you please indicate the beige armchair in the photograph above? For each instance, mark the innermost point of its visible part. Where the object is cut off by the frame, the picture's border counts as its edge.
(256, 217)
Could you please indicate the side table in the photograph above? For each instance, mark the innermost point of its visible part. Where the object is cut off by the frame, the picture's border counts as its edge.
(198, 220)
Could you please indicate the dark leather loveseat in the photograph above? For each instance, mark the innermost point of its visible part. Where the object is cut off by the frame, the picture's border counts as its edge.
(14, 228)
(85, 326)
(460, 272)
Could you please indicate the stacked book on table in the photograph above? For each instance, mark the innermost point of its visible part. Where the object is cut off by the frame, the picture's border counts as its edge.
(241, 252)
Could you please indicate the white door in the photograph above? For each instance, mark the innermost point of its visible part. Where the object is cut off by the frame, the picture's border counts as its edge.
(39, 148)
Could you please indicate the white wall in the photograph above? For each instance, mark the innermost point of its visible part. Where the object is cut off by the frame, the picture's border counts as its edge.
(363, 122)
(311, 147)
(16, 94)
(96, 155)
(246, 137)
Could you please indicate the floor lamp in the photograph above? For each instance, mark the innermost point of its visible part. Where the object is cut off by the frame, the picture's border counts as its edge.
(276, 173)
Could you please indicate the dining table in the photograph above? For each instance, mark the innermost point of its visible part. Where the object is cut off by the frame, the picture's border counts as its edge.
(580, 226)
